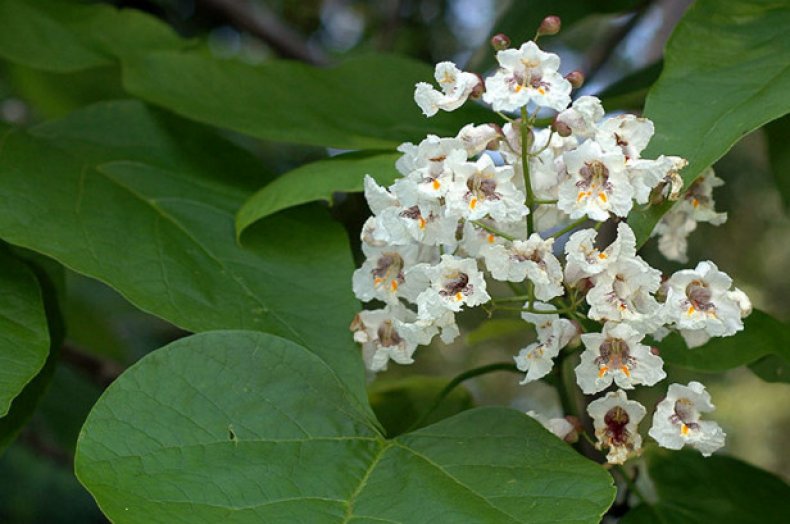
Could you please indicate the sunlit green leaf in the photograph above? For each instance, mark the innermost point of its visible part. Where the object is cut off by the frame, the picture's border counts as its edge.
(318, 181)
(725, 74)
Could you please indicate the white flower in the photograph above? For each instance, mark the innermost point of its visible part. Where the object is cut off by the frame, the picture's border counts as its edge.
(615, 419)
(676, 421)
(624, 293)
(482, 189)
(561, 427)
(581, 117)
(584, 260)
(697, 205)
(627, 134)
(456, 87)
(531, 259)
(428, 169)
(701, 299)
(474, 237)
(527, 75)
(645, 174)
(381, 333)
(477, 139)
(384, 274)
(426, 223)
(597, 185)
(454, 283)
(553, 332)
(617, 355)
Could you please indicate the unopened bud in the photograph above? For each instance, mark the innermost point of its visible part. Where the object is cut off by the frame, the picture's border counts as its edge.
(654, 350)
(573, 436)
(500, 41)
(561, 128)
(576, 78)
(550, 26)
(478, 89)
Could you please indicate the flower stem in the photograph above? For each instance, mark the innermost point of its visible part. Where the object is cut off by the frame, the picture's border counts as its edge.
(569, 227)
(493, 231)
(457, 381)
(525, 167)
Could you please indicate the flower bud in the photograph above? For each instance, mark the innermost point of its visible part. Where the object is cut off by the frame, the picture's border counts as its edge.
(561, 128)
(478, 89)
(576, 78)
(500, 41)
(655, 351)
(550, 26)
(573, 436)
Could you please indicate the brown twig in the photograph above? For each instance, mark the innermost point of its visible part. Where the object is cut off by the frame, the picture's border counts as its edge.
(260, 20)
(101, 371)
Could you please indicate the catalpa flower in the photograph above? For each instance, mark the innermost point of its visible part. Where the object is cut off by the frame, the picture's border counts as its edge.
(584, 260)
(561, 427)
(627, 134)
(615, 419)
(454, 282)
(617, 355)
(644, 174)
(527, 75)
(474, 238)
(700, 299)
(532, 259)
(427, 168)
(580, 119)
(477, 139)
(383, 336)
(677, 423)
(553, 332)
(456, 87)
(597, 183)
(383, 275)
(482, 189)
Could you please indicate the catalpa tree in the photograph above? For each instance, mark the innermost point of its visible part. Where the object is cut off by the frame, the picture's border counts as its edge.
(308, 243)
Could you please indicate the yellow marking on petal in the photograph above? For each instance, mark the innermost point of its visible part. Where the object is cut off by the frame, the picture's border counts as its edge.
(602, 371)
(459, 296)
(602, 196)
(625, 371)
(436, 184)
(541, 90)
(684, 429)
(582, 195)
(421, 222)
(473, 203)
(695, 202)
(394, 285)
(603, 256)
(491, 238)
(690, 310)
(518, 88)
(377, 281)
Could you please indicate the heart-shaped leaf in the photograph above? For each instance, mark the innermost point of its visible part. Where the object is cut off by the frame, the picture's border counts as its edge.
(146, 204)
(247, 427)
(24, 339)
(725, 74)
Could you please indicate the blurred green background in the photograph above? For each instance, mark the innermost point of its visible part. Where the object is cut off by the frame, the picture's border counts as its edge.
(608, 41)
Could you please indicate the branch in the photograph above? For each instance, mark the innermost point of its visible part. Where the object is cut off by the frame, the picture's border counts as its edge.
(260, 20)
(101, 371)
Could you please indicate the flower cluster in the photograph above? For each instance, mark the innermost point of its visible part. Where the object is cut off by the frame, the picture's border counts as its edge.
(510, 203)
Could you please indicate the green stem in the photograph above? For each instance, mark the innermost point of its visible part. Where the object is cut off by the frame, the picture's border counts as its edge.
(492, 230)
(569, 227)
(458, 380)
(539, 202)
(525, 167)
(630, 485)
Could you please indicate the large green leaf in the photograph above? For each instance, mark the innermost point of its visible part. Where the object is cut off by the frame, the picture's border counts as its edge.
(146, 204)
(240, 427)
(777, 133)
(725, 74)
(62, 36)
(24, 340)
(317, 181)
(693, 489)
(762, 335)
(364, 103)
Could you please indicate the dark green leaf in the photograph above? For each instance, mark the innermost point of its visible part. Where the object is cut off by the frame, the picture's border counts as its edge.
(772, 368)
(243, 427)
(364, 103)
(777, 133)
(762, 335)
(146, 204)
(629, 92)
(398, 404)
(318, 181)
(725, 74)
(24, 340)
(693, 489)
(498, 328)
(62, 36)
